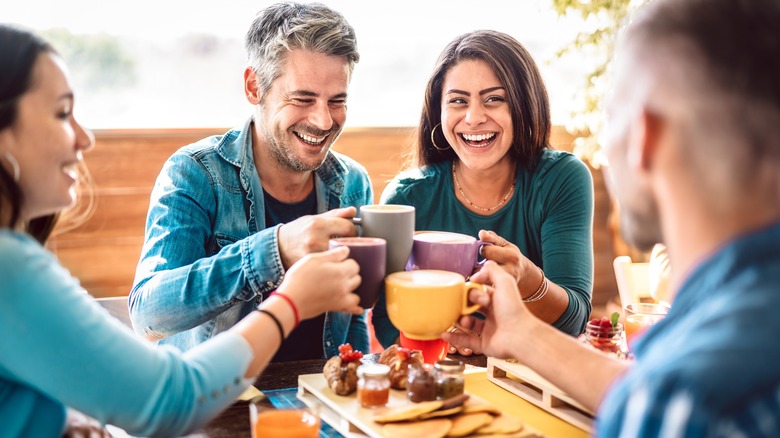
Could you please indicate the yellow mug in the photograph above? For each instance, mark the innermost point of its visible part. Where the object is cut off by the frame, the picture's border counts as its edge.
(424, 303)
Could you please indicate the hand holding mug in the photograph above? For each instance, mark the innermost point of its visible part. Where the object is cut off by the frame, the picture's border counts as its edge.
(505, 254)
(323, 282)
(506, 317)
(310, 234)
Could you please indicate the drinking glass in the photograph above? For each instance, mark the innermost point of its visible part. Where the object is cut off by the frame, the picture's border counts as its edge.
(640, 316)
(270, 422)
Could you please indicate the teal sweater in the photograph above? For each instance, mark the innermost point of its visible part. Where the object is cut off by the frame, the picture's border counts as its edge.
(549, 217)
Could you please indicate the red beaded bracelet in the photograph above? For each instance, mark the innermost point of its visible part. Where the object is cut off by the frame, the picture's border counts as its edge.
(292, 304)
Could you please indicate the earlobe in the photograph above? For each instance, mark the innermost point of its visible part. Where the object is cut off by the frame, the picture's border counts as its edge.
(251, 90)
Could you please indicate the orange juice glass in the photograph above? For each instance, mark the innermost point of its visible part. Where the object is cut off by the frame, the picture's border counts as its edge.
(639, 316)
(269, 422)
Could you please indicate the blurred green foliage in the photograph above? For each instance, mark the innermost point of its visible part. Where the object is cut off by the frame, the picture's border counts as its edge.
(97, 62)
(603, 20)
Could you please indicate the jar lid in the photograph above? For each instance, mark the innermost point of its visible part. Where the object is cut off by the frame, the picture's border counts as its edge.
(373, 370)
(450, 365)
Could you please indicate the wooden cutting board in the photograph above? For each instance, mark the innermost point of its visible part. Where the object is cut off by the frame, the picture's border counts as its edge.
(345, 414)
(528, 385)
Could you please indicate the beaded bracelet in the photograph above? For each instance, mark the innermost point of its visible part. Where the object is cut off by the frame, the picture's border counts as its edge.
(541, 291)
(276, 320)
(291, 303)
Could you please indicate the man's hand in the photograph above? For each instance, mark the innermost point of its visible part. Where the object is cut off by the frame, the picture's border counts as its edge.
(310, 234)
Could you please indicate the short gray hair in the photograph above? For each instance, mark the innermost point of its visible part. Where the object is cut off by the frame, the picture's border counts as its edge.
(718, 60)
(283, 27)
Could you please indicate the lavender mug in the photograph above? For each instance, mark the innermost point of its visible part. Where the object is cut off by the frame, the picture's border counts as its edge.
(446, 251)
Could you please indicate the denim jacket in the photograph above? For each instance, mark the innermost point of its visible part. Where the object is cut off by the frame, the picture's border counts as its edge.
(208, 259)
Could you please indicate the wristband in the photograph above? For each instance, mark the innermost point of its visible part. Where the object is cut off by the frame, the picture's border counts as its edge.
(276, 320)
(292, 304)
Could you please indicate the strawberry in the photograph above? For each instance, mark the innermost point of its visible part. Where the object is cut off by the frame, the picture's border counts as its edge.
(604, 326)
(347, 354)
(403, 353)
(344, 348)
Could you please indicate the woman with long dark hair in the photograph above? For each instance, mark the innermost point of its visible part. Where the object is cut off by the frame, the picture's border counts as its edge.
(483, 165)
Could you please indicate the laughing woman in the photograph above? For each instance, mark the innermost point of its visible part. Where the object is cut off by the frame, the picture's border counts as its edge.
(483, 164)
(60, 352)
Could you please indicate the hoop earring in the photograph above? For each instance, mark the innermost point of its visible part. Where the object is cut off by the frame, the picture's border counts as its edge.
(433, 131)
(14, 164)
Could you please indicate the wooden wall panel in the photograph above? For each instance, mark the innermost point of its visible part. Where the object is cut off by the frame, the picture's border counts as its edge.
(103, 251)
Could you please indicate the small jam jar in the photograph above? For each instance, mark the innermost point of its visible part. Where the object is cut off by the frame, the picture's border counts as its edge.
(611, 342)
(421, 385)
(449, 378)
(373, 388)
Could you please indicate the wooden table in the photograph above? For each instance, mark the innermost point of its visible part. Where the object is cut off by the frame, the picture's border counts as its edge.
(234, 422)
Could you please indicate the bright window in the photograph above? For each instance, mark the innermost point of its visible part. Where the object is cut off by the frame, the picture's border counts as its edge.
(179, 64)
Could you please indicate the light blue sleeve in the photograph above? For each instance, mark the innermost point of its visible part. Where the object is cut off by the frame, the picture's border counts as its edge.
(56, 341)
(175, 265)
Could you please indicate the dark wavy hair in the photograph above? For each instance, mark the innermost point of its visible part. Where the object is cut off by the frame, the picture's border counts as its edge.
(19, 50)
(525, 89)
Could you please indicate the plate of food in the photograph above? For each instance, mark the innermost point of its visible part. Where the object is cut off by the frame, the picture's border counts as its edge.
(335, 393)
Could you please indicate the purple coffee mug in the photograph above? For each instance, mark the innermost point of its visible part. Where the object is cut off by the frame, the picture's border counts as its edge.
(447, 251)
(371, 255)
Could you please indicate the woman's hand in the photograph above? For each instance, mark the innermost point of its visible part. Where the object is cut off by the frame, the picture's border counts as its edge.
(323, 282)
(504, 253)
(471, 328)
(78, 425)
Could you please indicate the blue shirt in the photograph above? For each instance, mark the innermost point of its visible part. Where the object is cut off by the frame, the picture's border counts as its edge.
(549, 217)
(59, 348)
(208, 258)
(712, 366)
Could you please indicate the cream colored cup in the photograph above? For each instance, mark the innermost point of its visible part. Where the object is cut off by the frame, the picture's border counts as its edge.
(424, 303)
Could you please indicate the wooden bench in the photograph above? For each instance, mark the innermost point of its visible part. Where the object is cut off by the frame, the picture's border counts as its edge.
(103, 251)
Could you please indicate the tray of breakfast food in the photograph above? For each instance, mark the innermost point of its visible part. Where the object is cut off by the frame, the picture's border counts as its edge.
(349, 398)
(528, 385)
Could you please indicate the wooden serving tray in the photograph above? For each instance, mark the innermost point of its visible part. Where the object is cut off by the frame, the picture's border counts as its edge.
(345, 414)
(528, 385)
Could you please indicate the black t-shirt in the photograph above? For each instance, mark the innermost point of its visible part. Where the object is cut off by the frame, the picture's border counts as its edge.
(305, 342)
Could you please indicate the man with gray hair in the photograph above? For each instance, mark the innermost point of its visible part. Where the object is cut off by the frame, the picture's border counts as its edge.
(693, 144)
(231, 213)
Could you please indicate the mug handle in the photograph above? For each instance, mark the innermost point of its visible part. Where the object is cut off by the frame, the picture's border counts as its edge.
(473, 308)
(478, 263)
(358, 222)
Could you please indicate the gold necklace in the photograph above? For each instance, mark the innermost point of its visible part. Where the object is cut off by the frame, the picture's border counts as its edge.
(462, 193)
